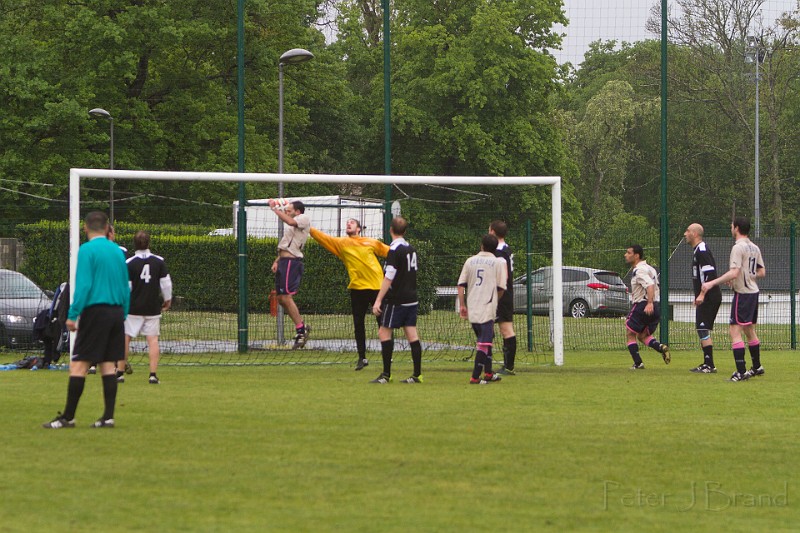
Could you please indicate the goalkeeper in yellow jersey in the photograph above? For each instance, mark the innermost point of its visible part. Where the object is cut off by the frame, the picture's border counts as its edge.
(360, 257)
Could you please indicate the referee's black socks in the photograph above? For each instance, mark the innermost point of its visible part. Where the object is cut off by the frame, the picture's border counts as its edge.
(109, 395)
(708, 355)
(509, 352)
(74, 391)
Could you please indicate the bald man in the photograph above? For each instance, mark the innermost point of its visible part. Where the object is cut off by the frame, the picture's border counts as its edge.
(707, 303)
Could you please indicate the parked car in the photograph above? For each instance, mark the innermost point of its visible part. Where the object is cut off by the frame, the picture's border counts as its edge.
(20, 302)
(587, 291)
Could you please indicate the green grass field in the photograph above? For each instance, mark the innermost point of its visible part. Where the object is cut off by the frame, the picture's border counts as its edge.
(587, 446)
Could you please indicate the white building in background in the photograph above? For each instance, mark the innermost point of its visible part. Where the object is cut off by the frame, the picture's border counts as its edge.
(328, 214)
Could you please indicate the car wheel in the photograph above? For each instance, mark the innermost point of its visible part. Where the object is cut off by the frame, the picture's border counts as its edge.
(579, 309)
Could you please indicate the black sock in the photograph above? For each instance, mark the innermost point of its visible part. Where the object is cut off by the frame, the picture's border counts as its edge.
(152, 374)
(755, 354)
(509, 352)
(109, 395)
(416, 357)
(633, 348)
(738, 356)
(74, 391)
(654, 344)
(120, 373)
(708, 355)
(480, 361)
(387, 348)
(487, 368)
(301, 328)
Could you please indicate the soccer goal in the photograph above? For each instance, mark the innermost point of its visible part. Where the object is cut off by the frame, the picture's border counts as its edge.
(244, 332)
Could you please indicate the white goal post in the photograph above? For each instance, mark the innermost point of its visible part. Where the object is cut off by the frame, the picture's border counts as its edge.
(75, 175)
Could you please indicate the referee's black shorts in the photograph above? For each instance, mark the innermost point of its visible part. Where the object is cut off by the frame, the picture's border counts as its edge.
(101, 335)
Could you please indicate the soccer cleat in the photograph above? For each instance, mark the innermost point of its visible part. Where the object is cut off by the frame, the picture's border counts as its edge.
(93, 369)
(59, 422)
(153, 380)
(121, 378)
(413, 379)
(473, 381)
(361, 364)
(506, 371)
(704, 369)
(382, 379)
(103, 423)
(491, 378)
(637, 366)
(301, 338)
(664, 349)
(754, 372)
(738, 376)
(128, 369)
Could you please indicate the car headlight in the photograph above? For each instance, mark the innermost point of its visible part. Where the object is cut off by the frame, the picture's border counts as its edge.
(14, 319)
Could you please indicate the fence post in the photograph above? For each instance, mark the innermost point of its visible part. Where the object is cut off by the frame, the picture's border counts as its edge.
(792, 287)
(528, 265)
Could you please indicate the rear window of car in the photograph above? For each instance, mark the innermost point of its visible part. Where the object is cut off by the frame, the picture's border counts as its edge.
(609, 278)
(571, 276)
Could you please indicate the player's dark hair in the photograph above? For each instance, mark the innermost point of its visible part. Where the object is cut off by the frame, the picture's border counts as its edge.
(499, 228)
(96, 221)
(399, 226)
(298, 206)
(743, 223)
(141, 241)
(637, 249)
(489, 243)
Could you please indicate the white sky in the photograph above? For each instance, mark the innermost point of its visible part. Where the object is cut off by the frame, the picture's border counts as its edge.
(624, 20)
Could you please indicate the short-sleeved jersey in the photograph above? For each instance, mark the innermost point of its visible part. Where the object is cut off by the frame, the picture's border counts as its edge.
(295, 237)
(401, 268)
(482, 275)
(149, 279)
(359, 257)
(100, 277)
(504, 252)
(643, 277)
(746, 256)
(704, 268)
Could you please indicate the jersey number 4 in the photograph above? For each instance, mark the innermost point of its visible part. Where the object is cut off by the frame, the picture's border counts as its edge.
(145, 275)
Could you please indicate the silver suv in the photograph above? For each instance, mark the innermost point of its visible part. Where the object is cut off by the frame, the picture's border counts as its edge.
(587, 291)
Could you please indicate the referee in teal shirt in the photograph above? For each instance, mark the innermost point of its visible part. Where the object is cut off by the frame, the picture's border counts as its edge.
(101, 299)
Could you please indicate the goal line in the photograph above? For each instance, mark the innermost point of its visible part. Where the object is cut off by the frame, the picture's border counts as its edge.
(554, 182)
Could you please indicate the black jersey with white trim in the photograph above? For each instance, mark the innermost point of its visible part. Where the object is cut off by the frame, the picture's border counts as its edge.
(145, 272)
(704, 268)
(504, 251)
(401, 268)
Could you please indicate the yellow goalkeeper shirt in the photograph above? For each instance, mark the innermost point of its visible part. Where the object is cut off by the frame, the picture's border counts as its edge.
(359, 257)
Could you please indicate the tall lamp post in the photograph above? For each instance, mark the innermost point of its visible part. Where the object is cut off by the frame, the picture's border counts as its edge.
(755, 55)
(100, 112)
(290, 57)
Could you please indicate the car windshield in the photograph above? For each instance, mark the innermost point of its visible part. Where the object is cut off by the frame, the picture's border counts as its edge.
(15, 285)
(610, 278)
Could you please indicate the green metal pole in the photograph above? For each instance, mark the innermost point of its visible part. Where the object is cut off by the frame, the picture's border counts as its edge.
(241, 215)
(664, 260)
(387, 120)
(528, 268)
(792, 275)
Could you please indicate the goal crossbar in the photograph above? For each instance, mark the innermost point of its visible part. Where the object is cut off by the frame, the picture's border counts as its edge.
(554, 182)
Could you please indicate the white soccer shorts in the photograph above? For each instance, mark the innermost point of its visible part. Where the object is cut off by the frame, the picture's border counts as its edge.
(136, 325)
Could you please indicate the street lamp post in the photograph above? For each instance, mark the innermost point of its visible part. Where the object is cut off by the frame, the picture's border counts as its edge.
(290, 57)
(100, 112)
(755, 55)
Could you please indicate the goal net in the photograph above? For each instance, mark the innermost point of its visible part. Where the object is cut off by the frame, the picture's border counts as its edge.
(223, 312)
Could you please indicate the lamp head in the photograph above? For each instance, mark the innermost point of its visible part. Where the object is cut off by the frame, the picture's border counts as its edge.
(100, 112)
(296, 55)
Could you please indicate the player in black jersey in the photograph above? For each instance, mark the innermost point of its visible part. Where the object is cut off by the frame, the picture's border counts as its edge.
(396, 304)
(505, 307)
(704, 269)
(151, 293)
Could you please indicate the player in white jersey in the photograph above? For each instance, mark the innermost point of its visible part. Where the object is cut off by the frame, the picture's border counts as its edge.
(746, 265)
(484, 278)
(645, 313)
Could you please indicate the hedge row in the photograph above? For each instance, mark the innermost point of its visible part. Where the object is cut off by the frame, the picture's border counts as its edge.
(205, 269)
